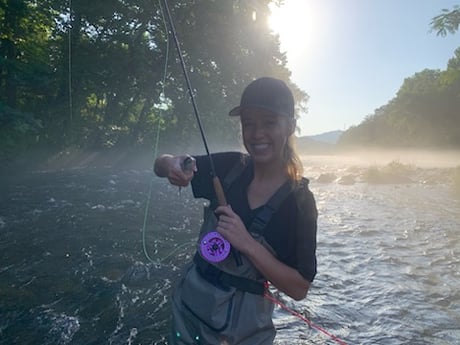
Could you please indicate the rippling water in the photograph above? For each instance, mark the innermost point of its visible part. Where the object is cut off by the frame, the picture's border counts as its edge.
(73, 269)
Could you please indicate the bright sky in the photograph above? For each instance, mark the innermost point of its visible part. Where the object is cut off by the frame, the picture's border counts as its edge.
(352, 56)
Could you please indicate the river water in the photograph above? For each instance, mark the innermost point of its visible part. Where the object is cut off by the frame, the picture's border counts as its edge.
(73, 269)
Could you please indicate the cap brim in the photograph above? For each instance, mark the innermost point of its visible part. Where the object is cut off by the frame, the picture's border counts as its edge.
(235, 111)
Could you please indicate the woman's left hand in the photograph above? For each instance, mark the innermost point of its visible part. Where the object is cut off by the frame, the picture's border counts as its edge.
(284, 277)
(232, 228)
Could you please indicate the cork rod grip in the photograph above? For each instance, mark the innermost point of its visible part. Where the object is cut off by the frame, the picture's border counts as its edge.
(219, 191)
(223, 202)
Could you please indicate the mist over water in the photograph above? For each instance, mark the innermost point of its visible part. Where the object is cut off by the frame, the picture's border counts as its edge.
(73, 270)
(364, 158)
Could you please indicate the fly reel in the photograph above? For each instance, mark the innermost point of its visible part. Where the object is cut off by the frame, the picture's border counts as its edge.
(214, 247)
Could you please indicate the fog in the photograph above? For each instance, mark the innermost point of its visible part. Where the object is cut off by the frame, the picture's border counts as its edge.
(143, 159)
(364, 158)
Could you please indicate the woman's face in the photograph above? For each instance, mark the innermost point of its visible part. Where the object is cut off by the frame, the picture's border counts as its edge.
(265, 134)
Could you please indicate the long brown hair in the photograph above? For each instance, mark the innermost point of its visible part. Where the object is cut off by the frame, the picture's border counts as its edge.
(294, 164)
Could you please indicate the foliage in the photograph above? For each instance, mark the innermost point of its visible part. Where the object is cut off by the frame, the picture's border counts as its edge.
(102, 74)
(24, 72)
(446, 22)
(424, 113)
(105, 74)
(17, 130)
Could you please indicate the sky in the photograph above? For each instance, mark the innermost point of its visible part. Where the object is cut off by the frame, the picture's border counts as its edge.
(352, 56)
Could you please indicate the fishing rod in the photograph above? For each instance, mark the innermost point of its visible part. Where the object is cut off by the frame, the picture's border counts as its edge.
(214, 247)
(216, 182)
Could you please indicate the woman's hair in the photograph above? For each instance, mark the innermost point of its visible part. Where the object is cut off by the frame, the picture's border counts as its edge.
(294, 164)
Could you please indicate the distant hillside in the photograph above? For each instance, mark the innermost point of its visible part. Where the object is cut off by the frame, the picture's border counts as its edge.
(320, 143)
(328, 137)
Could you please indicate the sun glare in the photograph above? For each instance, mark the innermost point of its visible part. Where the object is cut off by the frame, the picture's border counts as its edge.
(294, 23)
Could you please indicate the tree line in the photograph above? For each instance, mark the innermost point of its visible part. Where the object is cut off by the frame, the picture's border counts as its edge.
(425, 111)
(101, 74)
(94, 74)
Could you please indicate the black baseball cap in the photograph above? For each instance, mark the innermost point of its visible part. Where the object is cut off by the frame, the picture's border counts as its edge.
(267, 93)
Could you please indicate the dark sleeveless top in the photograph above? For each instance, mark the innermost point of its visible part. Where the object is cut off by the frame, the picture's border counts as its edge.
(291, 231)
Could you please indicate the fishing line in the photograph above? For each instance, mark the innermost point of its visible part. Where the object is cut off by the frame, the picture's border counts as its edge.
(69, 69)
(187, 80)
(274, 300)
(155, 152)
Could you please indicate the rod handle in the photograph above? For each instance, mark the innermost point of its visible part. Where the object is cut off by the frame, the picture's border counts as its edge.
(223, 202)
(219, 191)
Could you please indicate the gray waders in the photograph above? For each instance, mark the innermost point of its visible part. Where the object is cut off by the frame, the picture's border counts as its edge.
(208, 311)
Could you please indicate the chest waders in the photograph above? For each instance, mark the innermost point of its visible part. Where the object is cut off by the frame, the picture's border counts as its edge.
(222, 302)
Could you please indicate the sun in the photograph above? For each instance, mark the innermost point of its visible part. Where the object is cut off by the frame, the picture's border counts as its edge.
(277, 18)
(294, 22)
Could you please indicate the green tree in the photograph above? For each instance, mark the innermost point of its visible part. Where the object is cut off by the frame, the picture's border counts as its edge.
(424, 113)
(24, 70)
(91, 74)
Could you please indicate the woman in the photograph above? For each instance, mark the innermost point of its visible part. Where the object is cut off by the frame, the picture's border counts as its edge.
(269, 222)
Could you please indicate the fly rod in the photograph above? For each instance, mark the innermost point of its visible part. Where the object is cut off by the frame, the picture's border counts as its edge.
(213, 243)
(215, 180)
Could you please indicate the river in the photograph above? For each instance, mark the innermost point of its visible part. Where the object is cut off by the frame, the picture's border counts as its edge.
(73, 268)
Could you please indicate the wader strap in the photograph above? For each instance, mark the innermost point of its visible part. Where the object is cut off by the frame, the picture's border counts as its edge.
(223, 279)
(264, 216)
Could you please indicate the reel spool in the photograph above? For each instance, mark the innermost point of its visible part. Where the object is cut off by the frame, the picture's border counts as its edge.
(214, 247)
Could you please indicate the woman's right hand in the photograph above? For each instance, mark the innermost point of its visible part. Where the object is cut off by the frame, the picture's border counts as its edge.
(179, 170)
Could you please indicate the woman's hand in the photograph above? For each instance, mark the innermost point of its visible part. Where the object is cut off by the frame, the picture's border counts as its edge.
(178, 169)
(232, 228)
(285, 278)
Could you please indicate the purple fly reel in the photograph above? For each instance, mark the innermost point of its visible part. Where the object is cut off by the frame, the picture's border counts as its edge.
(214, 247)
